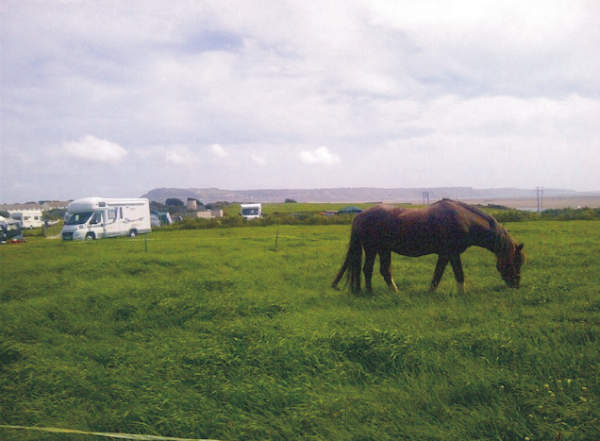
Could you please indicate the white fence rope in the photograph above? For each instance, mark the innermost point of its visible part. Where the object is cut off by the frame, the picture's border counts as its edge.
(134, 436)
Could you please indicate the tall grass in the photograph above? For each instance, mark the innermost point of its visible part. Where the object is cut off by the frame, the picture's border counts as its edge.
(234, 334)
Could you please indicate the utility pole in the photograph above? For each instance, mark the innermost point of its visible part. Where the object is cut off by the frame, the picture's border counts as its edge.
(539, 193)
(425, 198)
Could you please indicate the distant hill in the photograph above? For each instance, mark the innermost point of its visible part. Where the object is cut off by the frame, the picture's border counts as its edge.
(364, 194)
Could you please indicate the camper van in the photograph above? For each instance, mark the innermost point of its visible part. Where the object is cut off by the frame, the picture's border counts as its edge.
(251, 211)
(28, 218)
(95, 218)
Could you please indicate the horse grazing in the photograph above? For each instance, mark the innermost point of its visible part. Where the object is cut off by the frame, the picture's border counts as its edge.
(446, 228)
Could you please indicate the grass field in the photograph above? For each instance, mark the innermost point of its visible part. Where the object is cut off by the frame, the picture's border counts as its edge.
(234, 334)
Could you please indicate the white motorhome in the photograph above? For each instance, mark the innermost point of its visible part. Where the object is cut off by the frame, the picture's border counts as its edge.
(28, 218)
(251, 211)
(95, 218)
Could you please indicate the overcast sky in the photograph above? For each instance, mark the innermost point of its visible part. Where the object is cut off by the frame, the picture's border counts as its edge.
(116, 98)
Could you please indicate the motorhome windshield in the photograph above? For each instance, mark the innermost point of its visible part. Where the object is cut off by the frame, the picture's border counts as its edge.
(250, 211)
(78, 218)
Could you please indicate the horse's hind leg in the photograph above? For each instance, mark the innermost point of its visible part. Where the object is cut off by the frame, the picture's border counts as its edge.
(385, 267)
(439, 272)
(458, 272)
(368, 268)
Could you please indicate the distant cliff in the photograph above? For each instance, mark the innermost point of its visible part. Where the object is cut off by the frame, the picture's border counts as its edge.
(364, 194)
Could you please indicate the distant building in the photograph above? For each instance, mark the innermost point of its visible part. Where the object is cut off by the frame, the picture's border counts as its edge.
(192, 204)
(42, 205)
(52, 205)
(210, 214)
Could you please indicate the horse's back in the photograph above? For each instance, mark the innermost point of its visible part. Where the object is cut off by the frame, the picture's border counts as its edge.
(403, 230)
(443, 227)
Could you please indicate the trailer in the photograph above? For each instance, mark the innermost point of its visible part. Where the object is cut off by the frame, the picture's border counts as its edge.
(28, 218)
(251, 211)
(96, 218)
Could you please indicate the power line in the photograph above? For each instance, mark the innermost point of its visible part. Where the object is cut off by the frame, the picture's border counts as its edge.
(539, 193)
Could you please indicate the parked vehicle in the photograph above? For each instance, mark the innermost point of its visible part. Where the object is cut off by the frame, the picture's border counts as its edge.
(28, 218)
(96, 218)
(160, 218)
(251, 211)
(10, 230)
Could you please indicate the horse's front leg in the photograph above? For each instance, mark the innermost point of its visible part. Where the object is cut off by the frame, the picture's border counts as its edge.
(439, 272)
(458, 272)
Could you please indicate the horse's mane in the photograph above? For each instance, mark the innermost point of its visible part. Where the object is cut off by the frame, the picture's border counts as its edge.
(493, 224)
(503, 241)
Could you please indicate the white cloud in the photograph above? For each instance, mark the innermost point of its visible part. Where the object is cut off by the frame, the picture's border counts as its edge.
(95, 149)
(219, 151)
(177, 154)
(257, 159)
(320, 155)
(177, 157)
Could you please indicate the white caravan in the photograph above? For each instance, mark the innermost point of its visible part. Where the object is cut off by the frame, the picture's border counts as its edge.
(28, 218)
(251, 211)
(95, 218)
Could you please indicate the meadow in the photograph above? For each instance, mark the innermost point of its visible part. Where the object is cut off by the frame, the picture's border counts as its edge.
(235, 334)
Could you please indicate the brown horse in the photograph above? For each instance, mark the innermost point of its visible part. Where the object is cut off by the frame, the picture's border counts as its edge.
(446, 228)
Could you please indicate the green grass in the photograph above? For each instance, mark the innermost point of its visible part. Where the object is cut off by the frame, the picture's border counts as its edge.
(220, 334)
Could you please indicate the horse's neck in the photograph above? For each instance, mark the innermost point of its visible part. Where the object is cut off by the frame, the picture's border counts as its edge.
(491, 239)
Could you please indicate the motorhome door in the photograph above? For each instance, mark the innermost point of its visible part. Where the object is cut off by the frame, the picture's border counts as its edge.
(113, 224)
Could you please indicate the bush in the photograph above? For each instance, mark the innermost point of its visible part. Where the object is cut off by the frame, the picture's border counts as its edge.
(571, 214)
(267, 219)
(314, 218)
(514, 215)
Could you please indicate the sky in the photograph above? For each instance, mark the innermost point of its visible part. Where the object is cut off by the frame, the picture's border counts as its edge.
(114, 98)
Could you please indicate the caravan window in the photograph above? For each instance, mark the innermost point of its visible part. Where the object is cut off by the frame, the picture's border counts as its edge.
(111, 215)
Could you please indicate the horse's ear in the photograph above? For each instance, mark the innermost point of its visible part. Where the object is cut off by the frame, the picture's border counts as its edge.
(520, 247)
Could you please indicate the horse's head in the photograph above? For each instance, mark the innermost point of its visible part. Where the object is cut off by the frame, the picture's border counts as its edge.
(509, 266)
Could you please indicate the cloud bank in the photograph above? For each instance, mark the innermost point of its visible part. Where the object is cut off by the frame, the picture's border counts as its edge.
(227, 94)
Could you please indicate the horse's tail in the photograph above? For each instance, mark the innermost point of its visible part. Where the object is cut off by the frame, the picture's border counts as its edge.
(352, 263)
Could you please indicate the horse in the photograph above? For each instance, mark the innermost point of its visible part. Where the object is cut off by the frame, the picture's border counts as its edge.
(446, 228)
